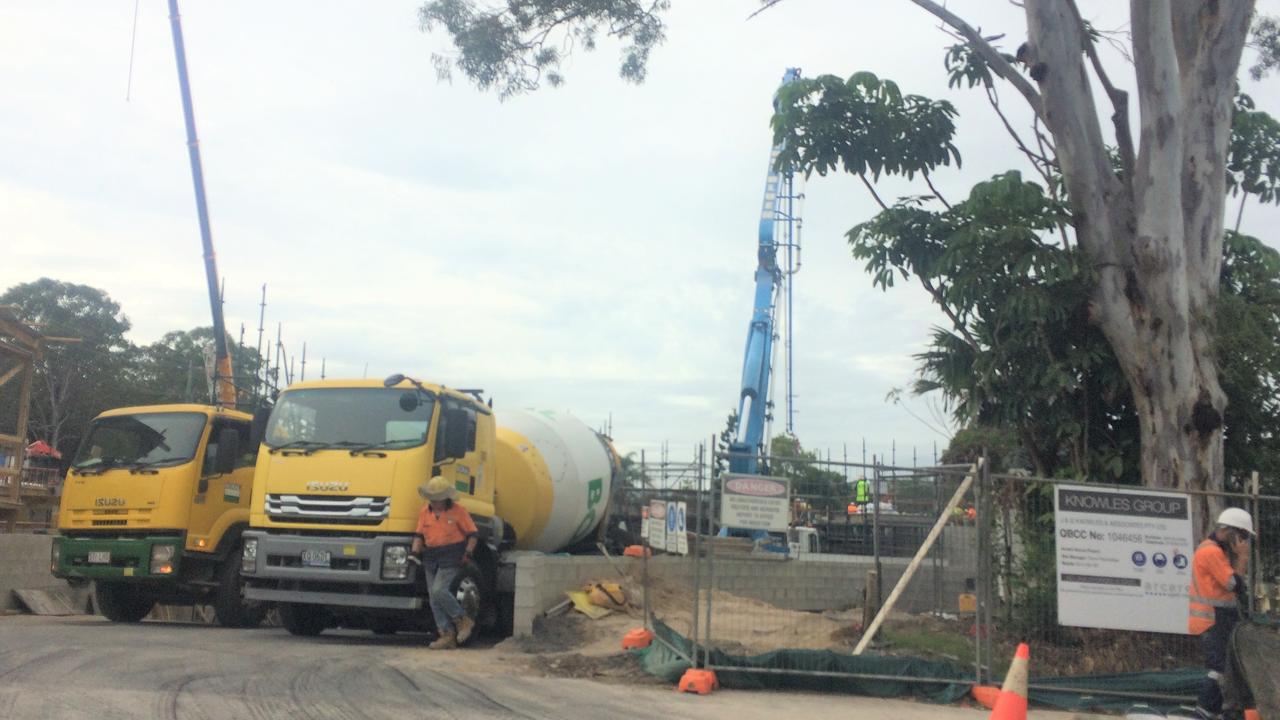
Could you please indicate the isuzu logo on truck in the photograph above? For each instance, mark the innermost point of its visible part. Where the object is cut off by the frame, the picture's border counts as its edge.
(327, 486)
(108, 502)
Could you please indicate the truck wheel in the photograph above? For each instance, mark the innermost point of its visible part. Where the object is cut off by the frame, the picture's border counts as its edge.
(303, 620)
(469, 588)
(229, 603)
(120, 602)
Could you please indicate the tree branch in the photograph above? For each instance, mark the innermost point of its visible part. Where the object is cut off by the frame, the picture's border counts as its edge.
(1036, 159)
(994, 59)
(934, 189)
(872, 190)
(1119, 98)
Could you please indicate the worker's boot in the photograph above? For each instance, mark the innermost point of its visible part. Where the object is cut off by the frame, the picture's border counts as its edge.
(447, 641)
(465, 627)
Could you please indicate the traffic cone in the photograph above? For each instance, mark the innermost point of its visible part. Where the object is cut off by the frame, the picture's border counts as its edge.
(1012, 703)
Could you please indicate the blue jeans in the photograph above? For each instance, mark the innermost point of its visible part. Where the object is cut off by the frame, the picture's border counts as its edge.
(444, 606)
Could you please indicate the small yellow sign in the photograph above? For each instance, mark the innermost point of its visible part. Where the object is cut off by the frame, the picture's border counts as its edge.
(128, 572)
(348, 549)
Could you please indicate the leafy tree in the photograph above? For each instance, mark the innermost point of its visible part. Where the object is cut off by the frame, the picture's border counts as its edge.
(1146, 214)
(513, 46)
(1266, 41)
(172, 369)
(822, 488)
(75, 381)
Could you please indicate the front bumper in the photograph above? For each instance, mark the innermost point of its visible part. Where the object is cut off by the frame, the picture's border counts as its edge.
(130, 558)
(353, 578)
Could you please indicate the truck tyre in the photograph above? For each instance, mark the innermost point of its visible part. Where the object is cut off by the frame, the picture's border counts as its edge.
(123, 603)
(229, 603)
(472, 593)
(303, 620)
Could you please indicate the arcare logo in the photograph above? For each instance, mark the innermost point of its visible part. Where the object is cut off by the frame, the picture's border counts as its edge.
(755, 486)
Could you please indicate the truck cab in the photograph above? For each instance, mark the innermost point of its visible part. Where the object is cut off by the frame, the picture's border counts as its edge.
(152, 511)
(335, 506)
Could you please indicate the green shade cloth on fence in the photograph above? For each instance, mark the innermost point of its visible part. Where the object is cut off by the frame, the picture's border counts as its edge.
(1183, 682)
(666, 660)
(661, 661)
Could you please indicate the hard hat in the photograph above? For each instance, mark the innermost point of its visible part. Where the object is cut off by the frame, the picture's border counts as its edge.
(1238, 519)
(437, 488)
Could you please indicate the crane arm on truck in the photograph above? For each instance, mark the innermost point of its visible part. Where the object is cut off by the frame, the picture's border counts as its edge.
(224, 390)
(753, 398)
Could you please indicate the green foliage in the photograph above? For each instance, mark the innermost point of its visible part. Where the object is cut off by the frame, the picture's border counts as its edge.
(513, 45)
(823, 488)
(1021, 354)
(74, 381)
(1266, 41)
(1003, 450)
(1253, 153)
(863, 125)
(1248, 350)
(172, 369)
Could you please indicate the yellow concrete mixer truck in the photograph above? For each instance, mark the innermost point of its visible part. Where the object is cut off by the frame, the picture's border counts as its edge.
(335, 501)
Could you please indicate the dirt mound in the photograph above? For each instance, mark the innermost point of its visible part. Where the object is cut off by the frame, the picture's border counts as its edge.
(622, 667)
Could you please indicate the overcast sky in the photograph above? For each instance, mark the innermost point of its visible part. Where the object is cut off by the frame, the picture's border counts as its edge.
(589, 247)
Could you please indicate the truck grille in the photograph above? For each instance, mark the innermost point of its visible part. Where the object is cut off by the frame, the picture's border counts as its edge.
(327, 508)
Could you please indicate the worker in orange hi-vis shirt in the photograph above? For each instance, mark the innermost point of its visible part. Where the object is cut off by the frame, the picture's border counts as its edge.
(1217, 588)
(446, 538)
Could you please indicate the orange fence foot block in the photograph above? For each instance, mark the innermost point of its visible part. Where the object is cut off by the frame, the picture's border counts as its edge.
(698, 681)
(1012, 703)
(636, 639)
(986, 695)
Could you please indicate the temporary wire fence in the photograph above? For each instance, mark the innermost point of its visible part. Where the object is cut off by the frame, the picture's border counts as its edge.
(981, 549)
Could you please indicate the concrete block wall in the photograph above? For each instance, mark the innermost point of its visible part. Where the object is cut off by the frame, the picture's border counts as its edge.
(824, 582)
(24, 565)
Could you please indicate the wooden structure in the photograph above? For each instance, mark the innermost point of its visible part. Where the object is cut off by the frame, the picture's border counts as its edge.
(21, 347)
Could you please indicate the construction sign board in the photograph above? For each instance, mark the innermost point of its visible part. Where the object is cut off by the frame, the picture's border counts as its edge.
(682, 534)
(658, 524)
(755, 502)
(673, 517)
(1124, 558)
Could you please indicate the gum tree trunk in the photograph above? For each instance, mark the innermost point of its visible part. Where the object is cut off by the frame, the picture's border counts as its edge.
(1153, 227)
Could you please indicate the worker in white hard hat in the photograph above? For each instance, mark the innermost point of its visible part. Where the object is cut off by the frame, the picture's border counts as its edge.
(1218, 571)
(446, 538)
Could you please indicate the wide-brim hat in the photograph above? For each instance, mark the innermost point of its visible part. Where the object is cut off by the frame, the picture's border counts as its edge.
(437, 488)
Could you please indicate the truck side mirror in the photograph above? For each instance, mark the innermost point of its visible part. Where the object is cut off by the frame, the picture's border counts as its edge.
(258, 429)
(228, 451)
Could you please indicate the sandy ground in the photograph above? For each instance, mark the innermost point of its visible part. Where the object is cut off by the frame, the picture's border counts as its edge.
(85, 667)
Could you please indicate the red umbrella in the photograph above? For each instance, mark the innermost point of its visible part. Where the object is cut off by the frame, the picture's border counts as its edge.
(41, 448)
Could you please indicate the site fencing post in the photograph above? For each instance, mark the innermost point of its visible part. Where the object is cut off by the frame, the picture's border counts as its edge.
(875, 531)
(982, 587)
(711, 553)
(1253, 547)
(697, 562)
(988, 515)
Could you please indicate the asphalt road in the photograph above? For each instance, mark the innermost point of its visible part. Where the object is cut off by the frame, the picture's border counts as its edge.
(88, 668)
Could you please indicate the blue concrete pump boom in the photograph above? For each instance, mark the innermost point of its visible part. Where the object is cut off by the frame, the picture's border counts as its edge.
(753, 399)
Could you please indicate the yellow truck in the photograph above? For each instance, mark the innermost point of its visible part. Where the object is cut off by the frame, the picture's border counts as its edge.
(335, 501)
(152, 510)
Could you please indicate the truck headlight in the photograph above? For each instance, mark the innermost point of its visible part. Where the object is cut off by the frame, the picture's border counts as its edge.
(395, 562)
(55, 555)
(161, 559)
(249, 557)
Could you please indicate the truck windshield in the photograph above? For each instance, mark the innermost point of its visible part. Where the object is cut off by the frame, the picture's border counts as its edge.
(144, 439)
(350, 419)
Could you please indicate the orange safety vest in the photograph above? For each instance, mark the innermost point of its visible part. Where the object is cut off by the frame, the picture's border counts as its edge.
(1213, 585)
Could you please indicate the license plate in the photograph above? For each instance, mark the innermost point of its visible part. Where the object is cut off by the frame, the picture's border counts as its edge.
(100, 557)
(315, 558)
